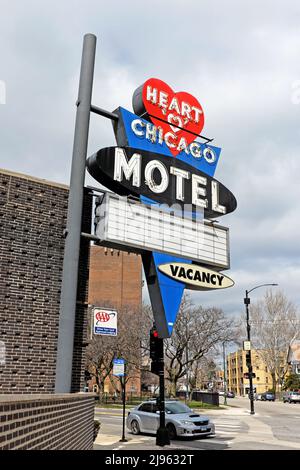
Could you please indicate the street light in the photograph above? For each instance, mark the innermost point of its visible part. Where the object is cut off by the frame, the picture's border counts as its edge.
(248, 355)
(224, 375)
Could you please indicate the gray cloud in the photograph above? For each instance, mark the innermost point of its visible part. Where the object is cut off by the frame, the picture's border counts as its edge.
(241, 60)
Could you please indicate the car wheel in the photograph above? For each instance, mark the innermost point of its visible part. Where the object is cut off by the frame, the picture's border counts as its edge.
(135, 427)
(172, 431)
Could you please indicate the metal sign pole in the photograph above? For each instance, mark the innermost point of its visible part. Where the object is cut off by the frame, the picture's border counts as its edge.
(123, 383)
(72, 244)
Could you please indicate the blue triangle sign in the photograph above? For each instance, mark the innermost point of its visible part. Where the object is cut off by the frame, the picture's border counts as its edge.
(171, 291)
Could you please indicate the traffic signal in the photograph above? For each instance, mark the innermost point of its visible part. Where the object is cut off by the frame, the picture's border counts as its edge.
(248, 359)
(154, 339)
(156, 351)
(247, 375)
(87, 375)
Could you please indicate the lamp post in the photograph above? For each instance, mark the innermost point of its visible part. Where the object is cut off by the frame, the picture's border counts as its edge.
(225, 375)
(248, 356)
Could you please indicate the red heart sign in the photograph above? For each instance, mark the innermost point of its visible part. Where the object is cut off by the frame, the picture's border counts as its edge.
(179, 115)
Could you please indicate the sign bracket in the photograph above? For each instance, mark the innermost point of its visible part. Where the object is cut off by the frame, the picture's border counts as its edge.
(104, 113)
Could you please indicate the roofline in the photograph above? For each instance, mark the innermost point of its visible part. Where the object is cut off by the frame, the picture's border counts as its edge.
(33, 178)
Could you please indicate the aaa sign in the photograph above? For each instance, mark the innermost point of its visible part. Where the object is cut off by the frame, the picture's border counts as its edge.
(105, 322)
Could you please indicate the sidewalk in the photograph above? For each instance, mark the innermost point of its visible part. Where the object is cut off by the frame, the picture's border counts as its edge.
(106, 442)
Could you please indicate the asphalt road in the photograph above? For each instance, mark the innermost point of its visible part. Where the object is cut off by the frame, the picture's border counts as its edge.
(274, 426)
(283, 418)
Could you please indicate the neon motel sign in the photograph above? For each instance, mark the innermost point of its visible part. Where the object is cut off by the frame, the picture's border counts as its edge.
(164, 163)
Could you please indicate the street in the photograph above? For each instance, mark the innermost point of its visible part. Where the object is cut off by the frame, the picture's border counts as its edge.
(275, 426)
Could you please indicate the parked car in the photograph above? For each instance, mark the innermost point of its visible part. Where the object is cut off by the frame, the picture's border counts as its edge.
(291, 397)
(230, 394)
(267, 396)
(221, 393)
(258, 396)
(180, 420)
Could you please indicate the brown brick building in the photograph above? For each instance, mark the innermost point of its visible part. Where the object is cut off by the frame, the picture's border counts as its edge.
(116, 282)
(115, 278)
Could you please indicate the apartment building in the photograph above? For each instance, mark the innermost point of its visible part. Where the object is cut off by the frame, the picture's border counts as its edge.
(237, 368)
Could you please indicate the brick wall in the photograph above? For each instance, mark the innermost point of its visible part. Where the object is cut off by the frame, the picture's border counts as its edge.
(32, 218)
(116, 282)
(115, 278)
(47, 422)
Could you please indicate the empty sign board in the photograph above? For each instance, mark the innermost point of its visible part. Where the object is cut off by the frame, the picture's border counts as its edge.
(124, 223)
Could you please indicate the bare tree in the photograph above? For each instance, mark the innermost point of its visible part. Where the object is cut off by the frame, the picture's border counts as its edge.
(146, 325)
(274, 323)
(200, 372)
(197, 331)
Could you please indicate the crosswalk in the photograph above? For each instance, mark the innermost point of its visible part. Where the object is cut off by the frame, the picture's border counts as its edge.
(229, 426)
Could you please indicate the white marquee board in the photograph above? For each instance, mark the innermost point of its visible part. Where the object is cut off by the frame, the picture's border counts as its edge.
(126, 222)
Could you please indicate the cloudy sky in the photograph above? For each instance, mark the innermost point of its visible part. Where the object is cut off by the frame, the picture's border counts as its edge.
(240, 59)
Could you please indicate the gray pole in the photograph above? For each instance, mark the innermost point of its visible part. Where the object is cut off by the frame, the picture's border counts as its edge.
(73, 232)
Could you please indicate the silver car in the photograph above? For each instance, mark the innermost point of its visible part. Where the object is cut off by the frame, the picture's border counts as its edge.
(180, 420)
(291, 397)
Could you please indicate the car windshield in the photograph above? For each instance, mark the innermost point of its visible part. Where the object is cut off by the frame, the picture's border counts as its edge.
(295, 393)
(176, 407)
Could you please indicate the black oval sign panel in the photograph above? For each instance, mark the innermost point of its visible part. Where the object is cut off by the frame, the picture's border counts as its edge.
(164, 179)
